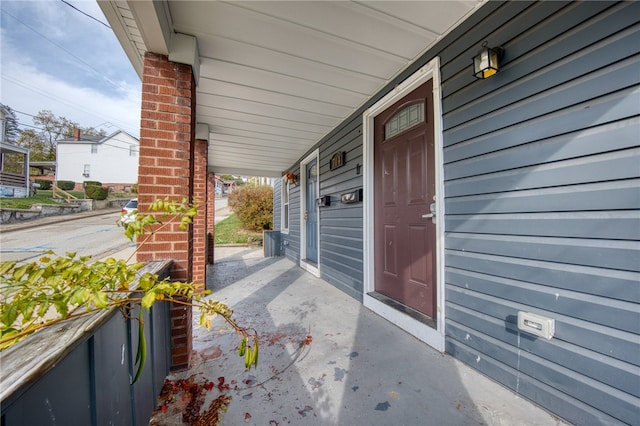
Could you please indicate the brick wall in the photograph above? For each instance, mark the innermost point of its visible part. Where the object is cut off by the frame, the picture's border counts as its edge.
(166, 169)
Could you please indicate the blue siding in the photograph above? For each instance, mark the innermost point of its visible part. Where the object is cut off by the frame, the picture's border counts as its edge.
(541, 184)
(542, 202)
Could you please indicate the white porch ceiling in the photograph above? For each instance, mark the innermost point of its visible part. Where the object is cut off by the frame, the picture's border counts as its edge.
(277, 76)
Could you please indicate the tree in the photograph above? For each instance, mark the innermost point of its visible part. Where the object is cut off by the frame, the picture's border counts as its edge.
(51, 128)
(38, 150)
(11, 130)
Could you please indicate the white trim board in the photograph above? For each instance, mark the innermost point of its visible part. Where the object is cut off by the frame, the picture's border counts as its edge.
(314, 270)
(433, 337)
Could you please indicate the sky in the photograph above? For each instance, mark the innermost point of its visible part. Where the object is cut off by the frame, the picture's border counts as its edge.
(53, 57)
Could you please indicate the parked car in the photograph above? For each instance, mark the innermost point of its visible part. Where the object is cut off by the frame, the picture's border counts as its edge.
(128, 212)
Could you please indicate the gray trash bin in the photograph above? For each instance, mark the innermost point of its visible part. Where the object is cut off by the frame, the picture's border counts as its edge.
(271, 243)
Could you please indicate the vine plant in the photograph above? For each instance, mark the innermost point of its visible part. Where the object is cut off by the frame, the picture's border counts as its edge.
(42, 293)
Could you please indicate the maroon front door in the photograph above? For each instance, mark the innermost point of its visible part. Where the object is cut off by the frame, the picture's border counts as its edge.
(404, 181)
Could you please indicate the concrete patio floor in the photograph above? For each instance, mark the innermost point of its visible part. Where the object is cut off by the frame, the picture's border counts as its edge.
(359, 370)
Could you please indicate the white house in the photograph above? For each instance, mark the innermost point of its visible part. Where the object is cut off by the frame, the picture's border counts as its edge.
(111, 160)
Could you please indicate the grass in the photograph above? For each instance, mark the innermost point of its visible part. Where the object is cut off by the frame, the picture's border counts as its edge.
(229, 231)
(27, 202)
(44, 197)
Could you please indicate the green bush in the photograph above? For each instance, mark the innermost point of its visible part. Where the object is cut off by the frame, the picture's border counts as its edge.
(97, 192)
(254, 206)
(91, 183)
(66, 185)
(44, 184)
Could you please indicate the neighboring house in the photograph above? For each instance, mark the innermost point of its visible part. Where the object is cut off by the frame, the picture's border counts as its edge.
(14, 163)
(111, 160)
(497, 220)
(14, 166)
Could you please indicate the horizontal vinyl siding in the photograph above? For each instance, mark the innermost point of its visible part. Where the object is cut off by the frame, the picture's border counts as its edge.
(291, 240)
(341, 224)
(542, 201)
(340, 256)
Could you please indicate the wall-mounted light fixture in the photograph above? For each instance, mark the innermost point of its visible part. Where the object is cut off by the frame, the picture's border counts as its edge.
(485, 63)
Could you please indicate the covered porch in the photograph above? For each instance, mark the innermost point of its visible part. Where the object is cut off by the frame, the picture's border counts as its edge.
(518, 165)
(248, 88)
(357, 369)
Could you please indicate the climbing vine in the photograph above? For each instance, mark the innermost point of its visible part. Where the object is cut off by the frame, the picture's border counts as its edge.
(54, 288)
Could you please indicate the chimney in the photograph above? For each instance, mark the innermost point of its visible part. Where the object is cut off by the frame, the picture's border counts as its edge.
(76, 134)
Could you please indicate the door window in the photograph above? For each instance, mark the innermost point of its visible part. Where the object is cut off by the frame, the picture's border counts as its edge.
(404, 119)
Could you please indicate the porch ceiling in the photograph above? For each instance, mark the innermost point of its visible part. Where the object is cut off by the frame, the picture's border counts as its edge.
(275, 77)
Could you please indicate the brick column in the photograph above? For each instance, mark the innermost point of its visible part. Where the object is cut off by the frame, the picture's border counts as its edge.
(166, 169)
(200, 221)
(211, 212)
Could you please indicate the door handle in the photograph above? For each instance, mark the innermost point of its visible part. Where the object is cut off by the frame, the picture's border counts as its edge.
(431, 214)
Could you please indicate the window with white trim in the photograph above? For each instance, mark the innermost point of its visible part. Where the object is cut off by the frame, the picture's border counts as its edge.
(87, 170)
(284, 219)
(133, 150)
(94, 148)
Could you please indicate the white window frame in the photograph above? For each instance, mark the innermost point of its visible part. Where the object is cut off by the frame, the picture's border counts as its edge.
(87, 171)
(94, 148)
(133, 150)
(285, 188)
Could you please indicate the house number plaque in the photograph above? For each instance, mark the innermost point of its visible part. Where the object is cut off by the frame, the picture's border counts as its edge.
(337, 160)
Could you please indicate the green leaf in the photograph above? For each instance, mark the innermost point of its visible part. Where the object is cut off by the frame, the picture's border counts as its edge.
(10, 314)
(148, 299)
(34, 276)
(100, 300)
(141, 355)
(5, 267)
(19, 273)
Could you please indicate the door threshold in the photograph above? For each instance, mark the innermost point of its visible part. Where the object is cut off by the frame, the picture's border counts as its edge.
(310, 263)
(415, 314)
(310, 267)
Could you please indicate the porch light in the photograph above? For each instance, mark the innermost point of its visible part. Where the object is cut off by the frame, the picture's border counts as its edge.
(485, 63)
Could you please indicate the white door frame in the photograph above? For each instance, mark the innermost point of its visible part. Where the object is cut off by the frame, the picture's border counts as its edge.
(315, 270)
(433, 337)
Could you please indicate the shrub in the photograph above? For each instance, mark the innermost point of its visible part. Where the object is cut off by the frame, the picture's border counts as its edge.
(254, 206)
(97, 192)
(44, 183)
(66, 185)
(87, 183)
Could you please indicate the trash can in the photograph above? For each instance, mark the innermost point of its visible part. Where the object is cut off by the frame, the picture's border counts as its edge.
(271, 243)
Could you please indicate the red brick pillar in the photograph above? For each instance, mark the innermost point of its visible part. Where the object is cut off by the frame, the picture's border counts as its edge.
(200, 221)
(166, 169)
(211, 213)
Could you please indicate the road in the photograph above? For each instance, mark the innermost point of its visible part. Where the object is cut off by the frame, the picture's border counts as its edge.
(96, 236)
(222, 209)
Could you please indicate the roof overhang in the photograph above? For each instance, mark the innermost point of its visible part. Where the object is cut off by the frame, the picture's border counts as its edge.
(274, 78)
(10, 148)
